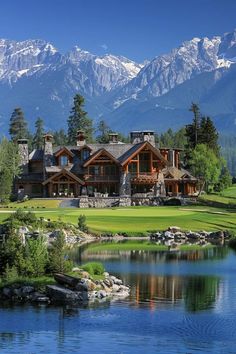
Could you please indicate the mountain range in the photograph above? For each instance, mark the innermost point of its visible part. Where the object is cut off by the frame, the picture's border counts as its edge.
(154, 95)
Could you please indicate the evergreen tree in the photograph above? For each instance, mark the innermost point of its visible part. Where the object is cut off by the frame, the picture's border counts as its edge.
(57, 259)
(78, 120)
(9, 168)
(39, 133)
(209, 135)
(104, 130)
(193, 130)
(18, 125)
(60, 137)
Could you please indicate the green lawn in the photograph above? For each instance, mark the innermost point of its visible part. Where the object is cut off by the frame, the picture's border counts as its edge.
(137, 246)
(139, 220)
(227, 197)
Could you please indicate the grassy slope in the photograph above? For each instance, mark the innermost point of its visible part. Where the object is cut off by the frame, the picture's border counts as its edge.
(138, 220)
(227, 197)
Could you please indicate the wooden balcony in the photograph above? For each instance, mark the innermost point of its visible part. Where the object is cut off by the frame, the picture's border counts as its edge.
(102, 178)
(144, 177)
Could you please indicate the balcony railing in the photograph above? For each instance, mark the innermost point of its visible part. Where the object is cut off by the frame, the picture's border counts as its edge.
(148, 176)
(101, 178)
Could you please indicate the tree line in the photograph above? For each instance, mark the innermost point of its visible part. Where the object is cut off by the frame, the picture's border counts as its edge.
(199, 141)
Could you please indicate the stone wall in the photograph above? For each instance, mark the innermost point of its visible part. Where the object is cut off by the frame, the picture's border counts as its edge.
(125, 201)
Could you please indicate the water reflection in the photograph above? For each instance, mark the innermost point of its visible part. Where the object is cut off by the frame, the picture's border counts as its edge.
(163, 279)
(85, 253)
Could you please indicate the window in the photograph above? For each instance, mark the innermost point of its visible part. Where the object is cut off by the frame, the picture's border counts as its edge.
(133, 167)
(64, 160)
(85, 154)
(110, 170)
(94, 170)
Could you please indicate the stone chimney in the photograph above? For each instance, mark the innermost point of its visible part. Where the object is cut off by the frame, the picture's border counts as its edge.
(171, 157)
(113, 138)
(81, 141)
(48, 151)
(24, 155)
(141, 136)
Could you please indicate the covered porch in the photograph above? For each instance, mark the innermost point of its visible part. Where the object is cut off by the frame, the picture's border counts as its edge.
(63, 184)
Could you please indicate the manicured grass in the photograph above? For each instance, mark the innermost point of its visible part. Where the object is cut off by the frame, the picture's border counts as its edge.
(139, 220)
(227, 197)
(138, 246)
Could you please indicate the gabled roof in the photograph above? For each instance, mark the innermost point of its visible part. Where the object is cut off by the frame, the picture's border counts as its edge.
(176, 174)
(65, 149)
(99, 153)
(64, 172)
(128, 155)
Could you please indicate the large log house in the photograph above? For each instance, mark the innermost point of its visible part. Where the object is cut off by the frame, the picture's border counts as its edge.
(139, 168)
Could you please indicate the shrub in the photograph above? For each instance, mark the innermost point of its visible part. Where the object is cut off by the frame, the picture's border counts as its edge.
(94, 268)
(82, 223)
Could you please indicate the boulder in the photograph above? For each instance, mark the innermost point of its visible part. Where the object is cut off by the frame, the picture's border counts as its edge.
(60, 294)
(7, 292)
(101, 294)
(27, 290)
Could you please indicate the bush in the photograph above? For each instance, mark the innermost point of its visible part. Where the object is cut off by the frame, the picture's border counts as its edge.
(82, 223)
(94, 268)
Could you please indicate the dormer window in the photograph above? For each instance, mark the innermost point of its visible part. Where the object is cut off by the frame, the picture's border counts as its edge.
(64, 160)
(85, 154)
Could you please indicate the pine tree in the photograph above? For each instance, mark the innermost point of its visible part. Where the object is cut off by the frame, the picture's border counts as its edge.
(18, 125)
(103, 130)
(9, 168)
(193, 130)
(39, 133)
(78, 120)
(60, 137)
(209, 135)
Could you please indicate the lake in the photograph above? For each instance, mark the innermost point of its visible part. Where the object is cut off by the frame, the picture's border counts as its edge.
(180, 302)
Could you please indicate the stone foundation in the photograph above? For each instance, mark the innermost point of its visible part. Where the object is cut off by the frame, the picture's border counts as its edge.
(124, 201)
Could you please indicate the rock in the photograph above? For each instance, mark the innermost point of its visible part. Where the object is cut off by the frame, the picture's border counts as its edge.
(17, 292)
(115, 288)
(106, 274)
(26, 290)
(91, 285)
(101, 294)
(60, 294)
(39, 297)
(82, 286)
(85, 274)
(7, 292)
(108, 282)
(174, 229)
(116, 280)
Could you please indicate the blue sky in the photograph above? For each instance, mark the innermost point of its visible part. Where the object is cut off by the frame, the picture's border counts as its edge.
(137, 29)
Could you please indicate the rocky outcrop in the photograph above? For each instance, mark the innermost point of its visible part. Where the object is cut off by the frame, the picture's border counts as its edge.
(174, 237)
(68, 290)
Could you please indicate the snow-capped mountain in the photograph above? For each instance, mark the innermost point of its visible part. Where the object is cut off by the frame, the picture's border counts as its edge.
(37, 77)
(192, 58)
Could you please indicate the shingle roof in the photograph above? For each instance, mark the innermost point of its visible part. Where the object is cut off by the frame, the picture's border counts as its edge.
(36, 155)
(177, 174)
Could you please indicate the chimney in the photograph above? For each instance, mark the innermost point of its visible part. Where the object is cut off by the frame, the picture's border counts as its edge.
(141, 136)
(148, 135)
(48, 151)
(171, 157)
(24, 155)
(113, 138)
(81, 141)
